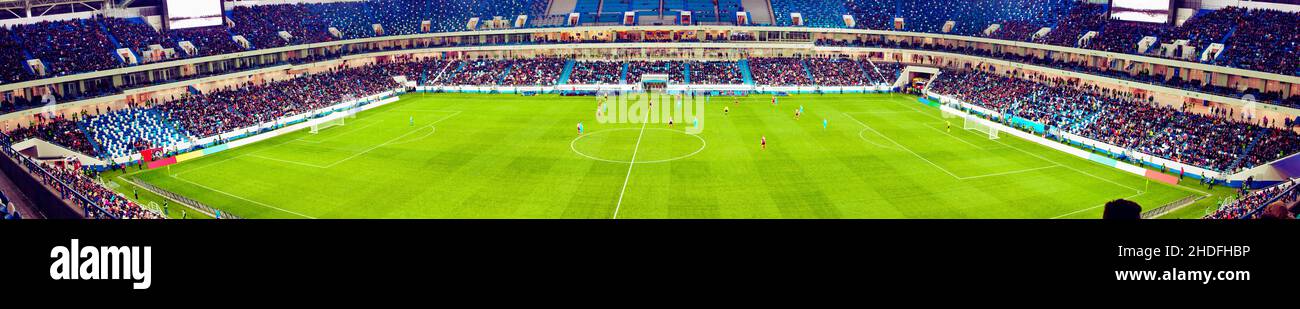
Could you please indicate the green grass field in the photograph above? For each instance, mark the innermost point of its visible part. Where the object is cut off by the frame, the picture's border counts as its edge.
(510, 156)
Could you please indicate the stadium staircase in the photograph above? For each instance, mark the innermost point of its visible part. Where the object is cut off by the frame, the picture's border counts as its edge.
(116, 44)
(501, 79)
(806, 71)
(884, 79)
(1224, 39)
(26, 54)
(81, 125)
(744, 71)
(1246, 151)
(865, 72)
(564, 75)
(168, 121)
(686, 72)
(622, 79)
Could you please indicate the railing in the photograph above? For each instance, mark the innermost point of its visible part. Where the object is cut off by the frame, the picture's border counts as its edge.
(59, 187)
(196, 205)
(1171, 206)
(1286, 193)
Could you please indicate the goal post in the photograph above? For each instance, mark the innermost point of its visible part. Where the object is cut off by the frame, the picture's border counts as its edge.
(978, 124)
(328, 121)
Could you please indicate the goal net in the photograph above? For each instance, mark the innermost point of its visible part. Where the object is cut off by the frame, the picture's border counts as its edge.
(328, 121)
(978, 124)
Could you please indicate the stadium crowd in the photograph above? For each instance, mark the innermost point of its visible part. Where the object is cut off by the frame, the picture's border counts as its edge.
(135, 34)
(1265, 40)
(1256, 39)
(538, 71)
(674, 69)
(779, 71)
(839, 72)
(99, 202)
(476, 72)
(58, 129)
(1077, 22)
(596, 72)
(13, 65)
(715, 73)
(1251, 204)
(209, 41)
(1218, 141)
(262, 25)
(68, 46)
(889, 71)
(1123, 36)
(236, 107)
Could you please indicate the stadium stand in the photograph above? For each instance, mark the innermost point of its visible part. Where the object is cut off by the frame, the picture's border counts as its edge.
(1267, 42)
(135, 34)
(1123, 36)
(100, 202)
(1216, 141)
(69, 46)
(1250, 204)
(1208, 27)
(209, 41)
(596, 73)
(207, 114)
(539, 71)
(715, 73)
(674, 69)
(85, 45)
(890, 71)
(476, 72)
(816, 13)
(128, 131)
(870, 14)
(12, 61)
(1078, 21)
(262, 25)
(57, 129)
(839, 72)
(76, 186)
(779, 71)
(1258, 40)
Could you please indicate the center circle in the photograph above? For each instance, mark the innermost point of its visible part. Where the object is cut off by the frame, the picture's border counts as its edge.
(656, 145)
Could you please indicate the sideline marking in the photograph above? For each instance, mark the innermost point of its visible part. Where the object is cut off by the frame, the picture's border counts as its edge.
(242, 198)
(390, 140)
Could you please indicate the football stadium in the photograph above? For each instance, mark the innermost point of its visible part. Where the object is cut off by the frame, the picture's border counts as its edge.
(649, 109)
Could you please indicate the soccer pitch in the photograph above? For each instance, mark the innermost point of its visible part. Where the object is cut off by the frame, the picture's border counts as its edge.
(511, 156)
